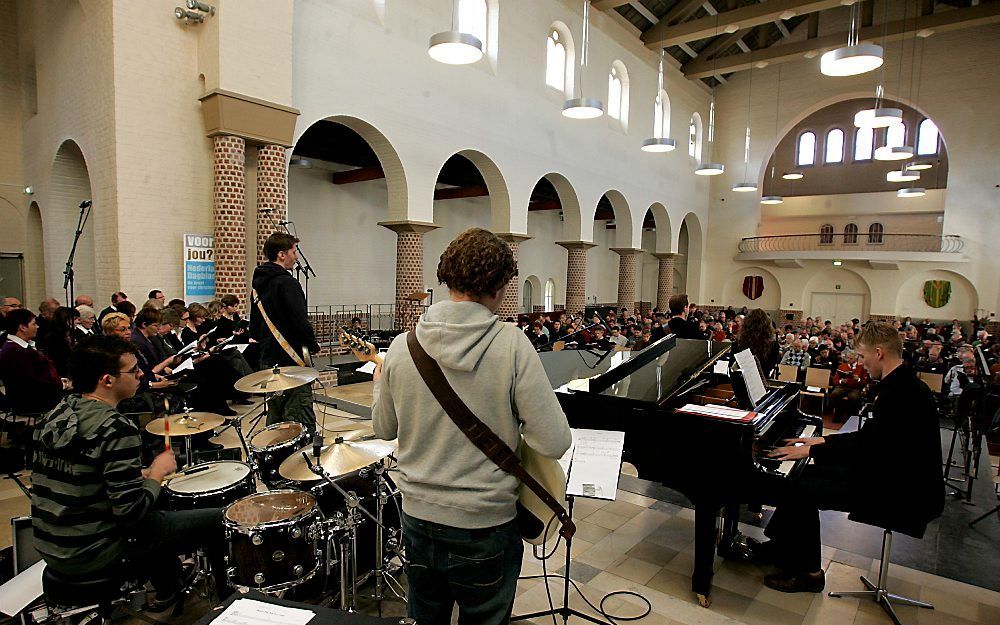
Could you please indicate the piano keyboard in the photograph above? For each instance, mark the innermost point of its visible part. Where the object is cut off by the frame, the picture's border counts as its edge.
(784, 467)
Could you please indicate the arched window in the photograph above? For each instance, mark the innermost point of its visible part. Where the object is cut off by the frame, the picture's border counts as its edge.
(864, 139)
(826, 234)
(895, 136)
(806, 149)
(835, 146)
(927, 137)
(851, 234)
(550, 294)
(875, 234)
(555, 61)
(694, 137)
(473, 19)
(526, 297)
(618, 92)
(661, 115)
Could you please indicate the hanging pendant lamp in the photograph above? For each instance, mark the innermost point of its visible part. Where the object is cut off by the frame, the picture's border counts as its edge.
(582, 107)
(659, 142)
(854, 58)
(902, 175)
(911, 192)
(453, 47)
(747, 186)
(919, 165)
(895, 153)
(793, 175)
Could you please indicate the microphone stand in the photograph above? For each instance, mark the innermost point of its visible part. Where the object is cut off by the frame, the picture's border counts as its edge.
(68, 272)
(302, 267)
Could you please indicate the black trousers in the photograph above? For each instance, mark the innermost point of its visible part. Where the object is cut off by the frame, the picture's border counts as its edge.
(795, 524)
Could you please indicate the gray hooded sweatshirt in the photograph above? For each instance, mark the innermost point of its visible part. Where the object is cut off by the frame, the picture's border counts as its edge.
(494, 369)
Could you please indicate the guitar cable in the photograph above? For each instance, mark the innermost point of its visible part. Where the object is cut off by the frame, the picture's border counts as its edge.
(612, 619)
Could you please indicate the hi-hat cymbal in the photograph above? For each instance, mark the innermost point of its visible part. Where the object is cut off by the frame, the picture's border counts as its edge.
(186, 424)
(337, 458)
(277, 379)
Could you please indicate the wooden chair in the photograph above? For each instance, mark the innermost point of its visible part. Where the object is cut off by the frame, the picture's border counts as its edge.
(934, 381)
(817, 377)
(788, 373)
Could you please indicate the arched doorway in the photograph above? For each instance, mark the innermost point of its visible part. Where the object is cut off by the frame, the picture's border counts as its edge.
(69, 188)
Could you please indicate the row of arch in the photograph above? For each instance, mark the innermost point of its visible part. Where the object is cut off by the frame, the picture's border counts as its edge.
(927, 142)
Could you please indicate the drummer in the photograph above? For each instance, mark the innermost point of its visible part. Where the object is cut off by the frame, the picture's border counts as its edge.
(92, 502)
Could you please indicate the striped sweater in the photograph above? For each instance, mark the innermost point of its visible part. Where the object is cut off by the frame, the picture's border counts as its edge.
(87, 485)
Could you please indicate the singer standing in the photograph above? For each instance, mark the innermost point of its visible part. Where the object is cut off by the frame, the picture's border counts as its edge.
(280, 324)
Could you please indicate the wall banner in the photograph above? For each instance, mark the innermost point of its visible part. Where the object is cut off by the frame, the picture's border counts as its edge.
(199, 267)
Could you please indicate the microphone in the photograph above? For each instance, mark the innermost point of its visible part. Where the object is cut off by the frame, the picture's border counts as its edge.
(284, 223)
(317, 444)
(85, 204)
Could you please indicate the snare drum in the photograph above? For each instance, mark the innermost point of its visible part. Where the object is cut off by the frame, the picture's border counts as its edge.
(222, 483)
(273, 444)
(274, 540)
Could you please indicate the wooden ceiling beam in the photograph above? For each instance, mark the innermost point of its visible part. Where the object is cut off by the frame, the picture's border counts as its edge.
(545, 205)
(681, 11)
(956, 19)
(454, 193)
(663, 34)
(607, 5)
(361, 174)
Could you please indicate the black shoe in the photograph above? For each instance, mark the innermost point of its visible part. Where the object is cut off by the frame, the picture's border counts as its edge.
(157, 605)
(796, 582)
(765, 552)
(736, 550)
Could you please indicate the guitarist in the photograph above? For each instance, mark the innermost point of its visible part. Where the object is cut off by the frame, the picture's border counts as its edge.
(280, 324)
(459, 529)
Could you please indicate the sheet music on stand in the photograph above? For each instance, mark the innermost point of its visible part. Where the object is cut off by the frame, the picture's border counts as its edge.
(253, 612)
(595, 463)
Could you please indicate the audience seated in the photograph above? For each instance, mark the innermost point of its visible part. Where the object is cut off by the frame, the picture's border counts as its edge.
(86, 324)
(849, 383)
(30, 379)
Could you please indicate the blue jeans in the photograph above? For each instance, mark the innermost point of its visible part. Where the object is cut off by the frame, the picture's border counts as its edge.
(476, 568)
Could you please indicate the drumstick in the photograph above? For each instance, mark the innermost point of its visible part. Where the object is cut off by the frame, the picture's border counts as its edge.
(166, 433)
(182, 476)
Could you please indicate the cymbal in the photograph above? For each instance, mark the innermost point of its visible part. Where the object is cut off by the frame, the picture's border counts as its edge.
(337, 458)
(186, 424)
(277, 379)
(340, 424)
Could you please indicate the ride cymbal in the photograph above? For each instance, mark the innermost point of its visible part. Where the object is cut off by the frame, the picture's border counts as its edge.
(186, 424)
(276, 379)
(337, 458)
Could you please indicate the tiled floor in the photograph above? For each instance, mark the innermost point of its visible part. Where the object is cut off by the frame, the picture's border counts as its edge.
(645, 545)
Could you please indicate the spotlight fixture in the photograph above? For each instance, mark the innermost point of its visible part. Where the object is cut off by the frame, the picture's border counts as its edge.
(658, 144)
(191, 16)
(772, 199)
(911, 192)
(745, 187)
(29, 190)
(455, 48)
(194, 5)
(793, 175)
(710, 169)
(838, 263)
(902, 175)
(918, 165)
(895, 153)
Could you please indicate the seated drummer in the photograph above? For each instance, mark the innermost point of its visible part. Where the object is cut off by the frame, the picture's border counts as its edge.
(887, 474)
(92, 502)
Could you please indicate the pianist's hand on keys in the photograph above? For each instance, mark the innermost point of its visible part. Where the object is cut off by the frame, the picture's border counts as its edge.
(795, 448)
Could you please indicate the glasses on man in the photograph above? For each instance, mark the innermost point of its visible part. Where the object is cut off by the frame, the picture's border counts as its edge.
(134, 370)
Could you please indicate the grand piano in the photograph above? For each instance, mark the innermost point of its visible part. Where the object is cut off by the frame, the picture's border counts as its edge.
(715, 461)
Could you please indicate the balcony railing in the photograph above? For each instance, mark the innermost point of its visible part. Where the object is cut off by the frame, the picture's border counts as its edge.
(885, 242)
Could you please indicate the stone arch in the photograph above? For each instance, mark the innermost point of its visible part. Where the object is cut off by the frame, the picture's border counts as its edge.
(496, 185)
(388, 157)
(839, 282)
(70, 185)
(769, 300)
(531, 293)
(693, 256)
(569, 205)
(623, 218)
(661, 221)
(34, 255)
(962, 303)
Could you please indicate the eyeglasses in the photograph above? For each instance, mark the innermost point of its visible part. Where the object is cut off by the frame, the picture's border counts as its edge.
(134, 370)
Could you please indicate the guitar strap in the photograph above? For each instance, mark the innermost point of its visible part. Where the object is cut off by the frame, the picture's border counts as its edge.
(285, 345)
(479, 433)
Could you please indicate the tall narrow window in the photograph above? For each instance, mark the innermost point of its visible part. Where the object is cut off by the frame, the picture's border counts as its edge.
(895, 136)
(555, 61)
(472, 19)
(694, 137)
(614, 93)
(550, 294)
(864, 139)
(826, 234)
(806, 149)
(875, 234)
(851, 234)
(661, 115)
(927, 137)
(835, 146)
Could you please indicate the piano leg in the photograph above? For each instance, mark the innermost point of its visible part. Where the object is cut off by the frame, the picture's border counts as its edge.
(705, 514)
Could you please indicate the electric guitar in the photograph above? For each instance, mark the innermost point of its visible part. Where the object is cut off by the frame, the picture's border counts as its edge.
(535, 519)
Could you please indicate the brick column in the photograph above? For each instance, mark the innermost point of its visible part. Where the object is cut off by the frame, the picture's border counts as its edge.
(665, 281)
(576, 274)
(409, 268)
(628, 271)
(230, 205)
(512, 298)
(272, 193)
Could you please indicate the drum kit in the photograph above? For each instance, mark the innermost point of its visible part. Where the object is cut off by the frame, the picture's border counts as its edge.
(329, 520)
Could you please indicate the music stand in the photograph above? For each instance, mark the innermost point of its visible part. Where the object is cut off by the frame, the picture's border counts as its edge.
(565, 611)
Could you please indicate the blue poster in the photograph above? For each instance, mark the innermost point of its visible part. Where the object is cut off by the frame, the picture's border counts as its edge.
(199, 267)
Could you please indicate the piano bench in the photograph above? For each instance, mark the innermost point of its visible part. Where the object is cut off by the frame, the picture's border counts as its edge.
(878, 592)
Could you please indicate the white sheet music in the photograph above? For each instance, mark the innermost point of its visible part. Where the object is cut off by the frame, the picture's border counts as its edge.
(751, 375)
(597, 461)
(252, 612)
(242, 347)
(368, 367)
(24, 588)
(184, 366)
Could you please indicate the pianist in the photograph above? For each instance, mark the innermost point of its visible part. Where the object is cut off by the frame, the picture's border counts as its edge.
(886, 474)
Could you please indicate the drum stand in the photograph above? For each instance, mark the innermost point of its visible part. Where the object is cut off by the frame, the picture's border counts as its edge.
(381, 572)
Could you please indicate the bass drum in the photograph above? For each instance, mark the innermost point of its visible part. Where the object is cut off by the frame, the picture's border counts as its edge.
(216, 486)
(273, 444)
(275, 540)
